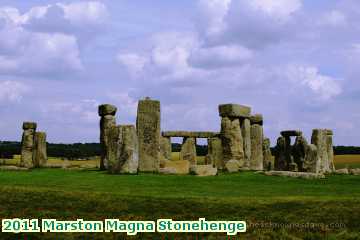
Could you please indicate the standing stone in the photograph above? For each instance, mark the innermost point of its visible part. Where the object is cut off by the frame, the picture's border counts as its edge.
(27, 143)
(246, 134)
(188, 151)
(148, 131)
(268, 162)
(280, 163)
(107, 113)
(215, 153)
(122, 151)
(311, 162)
(330, 149)
(165, 148)
(231, 140)
(299, 152)
(40, 153)
(257, 136)
(320, 139)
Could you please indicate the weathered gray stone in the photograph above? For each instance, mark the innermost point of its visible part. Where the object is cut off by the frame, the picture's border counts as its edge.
(246, 135)
(27, 148)
(330, 149)
(355, 171)
(203, 170)
(232, 166)
(29, 125)
(280, 163)
(188, 151)
(268, 160)
(234, 111)
(215, 153)
(165, 148)
(107, 113)
(311, 161)
(107, 109)
(176, 167)
(231, 140)
(320, 139)
(148, 131)
(342, 171)
(256, 162)
(299, 152)
(123, 153)
(304, 175)
(40, 151)
(190, 134)
(291, 133)
(256, 119)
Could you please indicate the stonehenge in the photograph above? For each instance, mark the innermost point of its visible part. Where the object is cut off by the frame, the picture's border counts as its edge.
(33, 147)
(239, 145)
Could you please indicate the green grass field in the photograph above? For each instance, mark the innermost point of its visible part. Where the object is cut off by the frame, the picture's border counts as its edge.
(330, 205)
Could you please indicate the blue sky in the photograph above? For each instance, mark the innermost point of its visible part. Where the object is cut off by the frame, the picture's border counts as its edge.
(294, 61)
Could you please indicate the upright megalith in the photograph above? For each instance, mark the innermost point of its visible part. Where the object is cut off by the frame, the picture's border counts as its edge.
(27, 144)
(165, 148)
(322, 139)
(299, 151)
(148, 131)
(231, 140)
(107, 113)
(188, 151)
(311, 161)
(215, 153)
(257, 137)
(280, 163)
(40, 152)
(330, 149)
(267, 161)
(246, 134)
(122, 151)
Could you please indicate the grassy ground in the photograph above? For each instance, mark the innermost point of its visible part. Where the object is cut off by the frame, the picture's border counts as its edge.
(330, 206)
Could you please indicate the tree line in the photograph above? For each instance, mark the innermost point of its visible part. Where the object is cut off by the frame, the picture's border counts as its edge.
(87, 150)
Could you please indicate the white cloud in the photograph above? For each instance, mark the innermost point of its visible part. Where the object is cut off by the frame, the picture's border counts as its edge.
(133, 62)
(68, 112)
(278, 9)
(323, 86)
(84, 13)
(27, 52)
(128, 104)
(214, 12)
(221, 56)
(12, 91)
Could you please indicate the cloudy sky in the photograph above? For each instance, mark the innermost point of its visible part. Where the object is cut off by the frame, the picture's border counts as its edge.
(295, 61)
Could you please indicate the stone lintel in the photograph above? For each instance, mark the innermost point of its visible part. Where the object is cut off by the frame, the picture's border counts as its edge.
(291, 133)
(107, 109)
(190, 134)
(256, 119)
(234, 111)
(329, 132)
(29, 125)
